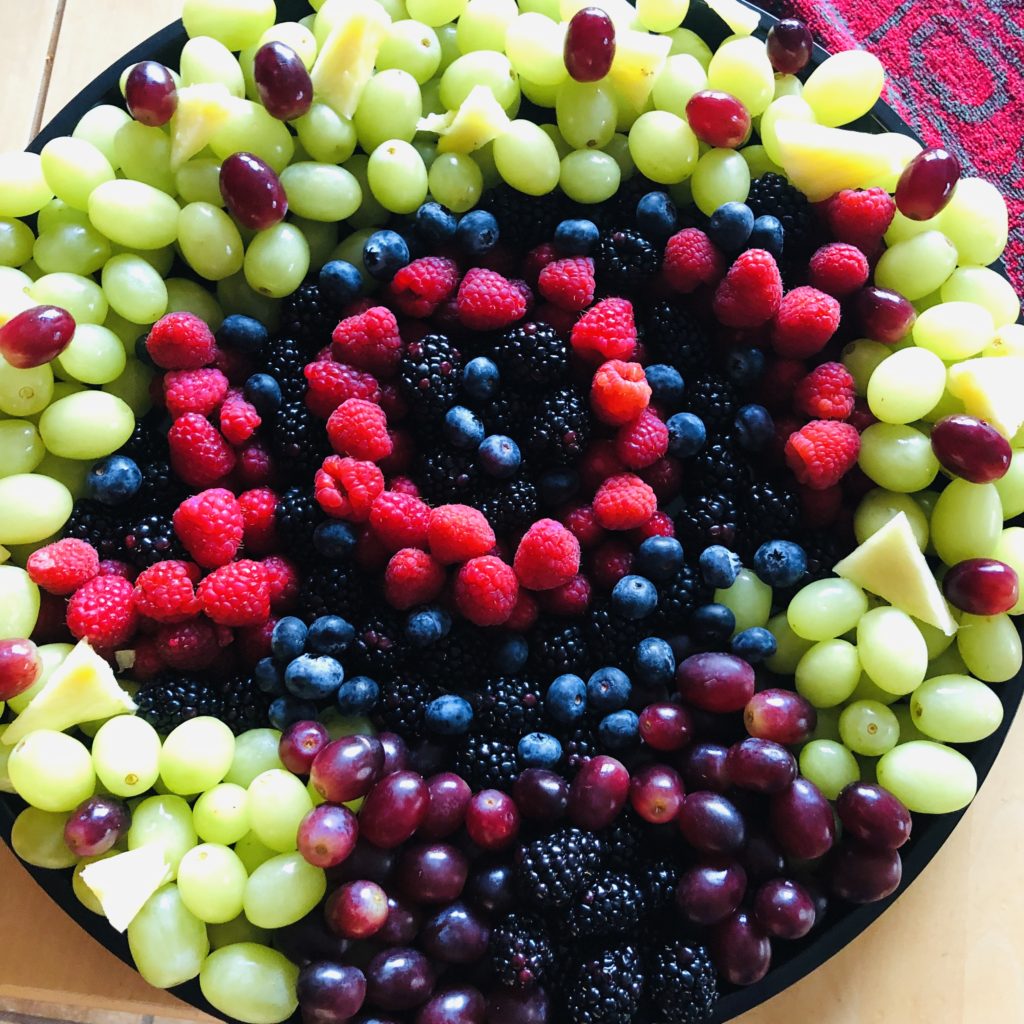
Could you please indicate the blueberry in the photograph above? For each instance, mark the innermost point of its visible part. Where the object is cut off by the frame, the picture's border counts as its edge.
(477, 232)
(285, 711)
(435, 224)
(330, 634)
(608, 689)
(384, 254)
(510, 655)
(754, 644)
(499, 456)
(481, 378)
(334, 540)
(686, 434)
(712, 623)
(264, 393)
(557, 486)
(634, 597)
(576, 237)
(313, 676)
(113, 480)
(768, 234)
(539, 750)
(719, 566)
(462, 427)
(619, 730)
(566, 700)
(427, 625)
(780, 563)
(268, 677)
(340, 283)
(358, 696)
(755, 428)
(666, 384)
(744, 366)
(449, 715)
(655, 661)
(659, 558)
(243, 333)
(288, 640)
(730, 227)
(656, 216)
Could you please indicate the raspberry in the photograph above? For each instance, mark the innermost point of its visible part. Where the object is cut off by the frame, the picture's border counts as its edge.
(252, 643)
(360, 429)
(412, 577)
(839, 269)
(457, 533)
(199, 455)
(181, 341)
(421, 286)
(400, 519)
(235, 365)
(642, 442)
(188, 646)
(821, 452)
(328, 384)
(147, 664)
(599, 462)
(561, 320)
(488, 302)
(607, 329)
(806, 320)
(346, 488)
(610, 562)
(258, 508)
(486, 590)
(860, 216)
(524, 613)
(751, 291)
(659, 525)
(102, 612)
(568, 284)
(210, 525)
(255, 465)
(691, 260)
(165, 592)
(537, 259)
(624, 502)
(392, 401)
(63, 566)
(779, 382)
(369, 341)
(239, 419)
(548, 556)
(826, 393)
(570, 599)
(115, 567)
(862, 417)
(236, 594)
(619, 392)
(198, 391)
(665, 476)
(283, 582)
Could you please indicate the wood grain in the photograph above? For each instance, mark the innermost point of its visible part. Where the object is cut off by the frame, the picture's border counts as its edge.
(951, 950)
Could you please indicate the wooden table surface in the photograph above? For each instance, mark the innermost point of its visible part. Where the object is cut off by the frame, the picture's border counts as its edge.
(951, 950)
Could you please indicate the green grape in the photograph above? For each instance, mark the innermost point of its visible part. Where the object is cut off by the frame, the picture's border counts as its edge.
(236, 930)
(483, 24)
(198, 181)
(585, 113)
(370, 213)
(87, 425)
(790, 647)
(741, 67)
(168, 943)
(100, 126)
(221, 814)
(990, 646)
(204, 59)
(549, 8)
(161, 260)
(618, 150)
(868, 727)
(51, 771)
(23, 186)
(397, 177)
(277, 260)
(295, 35)
(32, 507)
(892, 651)
(6, 786)
(748, 599)
(681, 77)
(435, 12)
(828, 673)
(446, 39)
(126, 755)
(897, 457)
(325, 134)
(71, 248)
(987, 289)
(661, 15)
(484, 157)
(785, 108)
(247, 981)
(935, 640)
(663, 147)
(350, 249)
(96, 355)
(235, 23)
(759, 162)
(878, 506)
(527, 159)
(482, 67)
(721, 176)
(165, 821)
(866, 689)
(918, 265)
(395, 9)
(251, 129)
(954, 330)
(252, 852)
(927, 777)
(196, 755)
(278, 801)
(321, 237)
(211, 882)
(844, 87)
(829, 765)
(1010, 487)
(210, 241)
(975, 221)
(862, 358)
(16, 242)
(956, 709)
(134, 214)
(134, 289)
(545, 96)
(144, 154)
(413, 47)
(826, 609)
(321, 192)
(80, 296)
(389, 108)
(37, 837)
(534, 44)
(21, 447)
(133, 387)
(827, 725)
(70, 472)
(967, 521)
(907, 385)
(908, 730)
(19, 603)
(427, 149)
(903, 228)
(589, 176)
(1009, 549)
(685, 40)
(191, 297)
(282, 890)
(787, 85)
(455, 181)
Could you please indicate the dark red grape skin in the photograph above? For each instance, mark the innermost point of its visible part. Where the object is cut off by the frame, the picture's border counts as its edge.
(36, 335)
(665, 726)
(981, 586)
(20, 666)
(399, 979)
(309, 939)
(457, 934)
(885, 316)
(762, 858)
(781, 716)
(300, 744)
(859, 874)
(453, 1006)
(449, 796)
(711, 823)
(784, 909)
(790, 45)
(743, 953)
(927, 183)
(396, 753)
(761, 766)
(715, 682)
(971, 448)
(801, 820)
(718, 118)
(656, 793)
(357, 910)
(327, 835)
(432, 872)
(402, 926)
(873, 816)
(330, 993)
(367, 861)
(346, 768)
(492, 819)
(252, 191)
(598, 793)
(394, 809)
(541, 795)
(589, 45)
(709, 893)
(704, 767)
(282, 81)
(96, 825)
(150, 93)
(519, 1006)
(491, 887)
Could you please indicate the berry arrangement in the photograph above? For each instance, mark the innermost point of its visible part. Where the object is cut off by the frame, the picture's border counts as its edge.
(552, 601)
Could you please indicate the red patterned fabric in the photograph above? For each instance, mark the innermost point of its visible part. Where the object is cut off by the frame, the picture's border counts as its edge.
(955, 74)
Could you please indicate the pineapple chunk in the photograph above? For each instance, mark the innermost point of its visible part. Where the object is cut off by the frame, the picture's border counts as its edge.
(202, 110)
(639, 59)
(346, 59)
(81, 689)
(741, 19)
(992, 390)
(4, 554)
(890, 564)
(821, 161)
(479, 120)
(124, 883)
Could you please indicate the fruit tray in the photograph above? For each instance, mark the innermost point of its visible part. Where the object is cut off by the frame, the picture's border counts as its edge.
(792, 960)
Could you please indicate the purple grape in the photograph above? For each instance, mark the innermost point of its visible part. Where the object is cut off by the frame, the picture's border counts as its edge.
(453, 1006)
(96, 825)
(456, 935)
(784, 909)
(432, 872)
(150, 93)
(330, 993)
(399, 979)
(709, 893)
(282, 80)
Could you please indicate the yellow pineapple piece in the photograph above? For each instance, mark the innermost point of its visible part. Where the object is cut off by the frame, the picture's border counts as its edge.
(202, 110)
(740, 18)
(4, 554)
(123, 883)
(479, 120)
(639, 59)
(992, 390)
(345, 63)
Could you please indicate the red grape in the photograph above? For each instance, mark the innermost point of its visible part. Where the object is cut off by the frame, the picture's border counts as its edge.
(519, 1006)
(282, 81)
(492, 819)
(709, 893)
(36, 335)
(884, 315)
(368, 861)
(981, 586)
(711, 823)
(666, 726)
(760, 765)
(327, 835)
(453, 1006)
(718, 118)
(704, 767)
(784, 909)
(790, 45)
(874, 816)
(456, 934)
(301, 742)
(330, 993)
(253, 192)
(715, 682)
(396, 753)
(96, 825)
(432, 872)
(20, 666)
(394, 809)
(927, 183)
(491, 887)
(150, 93)
(402, 926)
(541, 795)
(357, 910)
(742, 951)
(762, 858)
(598, 793)
(399, 979)
(656, 793)
(346, 768)
(971, 448)
(859, 874)
(449, 796)
(781, 716)
(308, 940)
(802, 821)
(589, 44)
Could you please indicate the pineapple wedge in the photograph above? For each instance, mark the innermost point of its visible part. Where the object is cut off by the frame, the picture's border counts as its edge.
(81, 689)
(346, 59)
(992, 390)
(740, 18)
(639, 59)
(123, 883)
(480, 119)
(890, 564)
(202, 109)
(4, 554)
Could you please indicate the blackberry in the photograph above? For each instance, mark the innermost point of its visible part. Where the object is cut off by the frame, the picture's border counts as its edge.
(403, 703)
(550, 870)
(378, 649)
(296, 516)
(521, 951)
(611, 639)
(462, 655)
(605, 988)
(298, 440)
(771, 511)
(285, 360)
(578, 746)
(713, 398)
(623, 842)
(532, 353)
(509, 414)
(625, 261)
(678, 596)
(148, 441)
(823, 548)
(557, 647)
(681, 982)
(243, 706)
(559, 429)
(523, 221)
(486, 762)
(100, 526)
(430, 373)
(610, 904)
(708, 519)
(332, 590)
(171, 700)
(508, 706)
(511, 505)
(160, 488)
(773, 194)
(152, 539)
(449, 477)
(717, 468)
(658, 880)
(677, 337)
(621, 208)
(306, 317)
